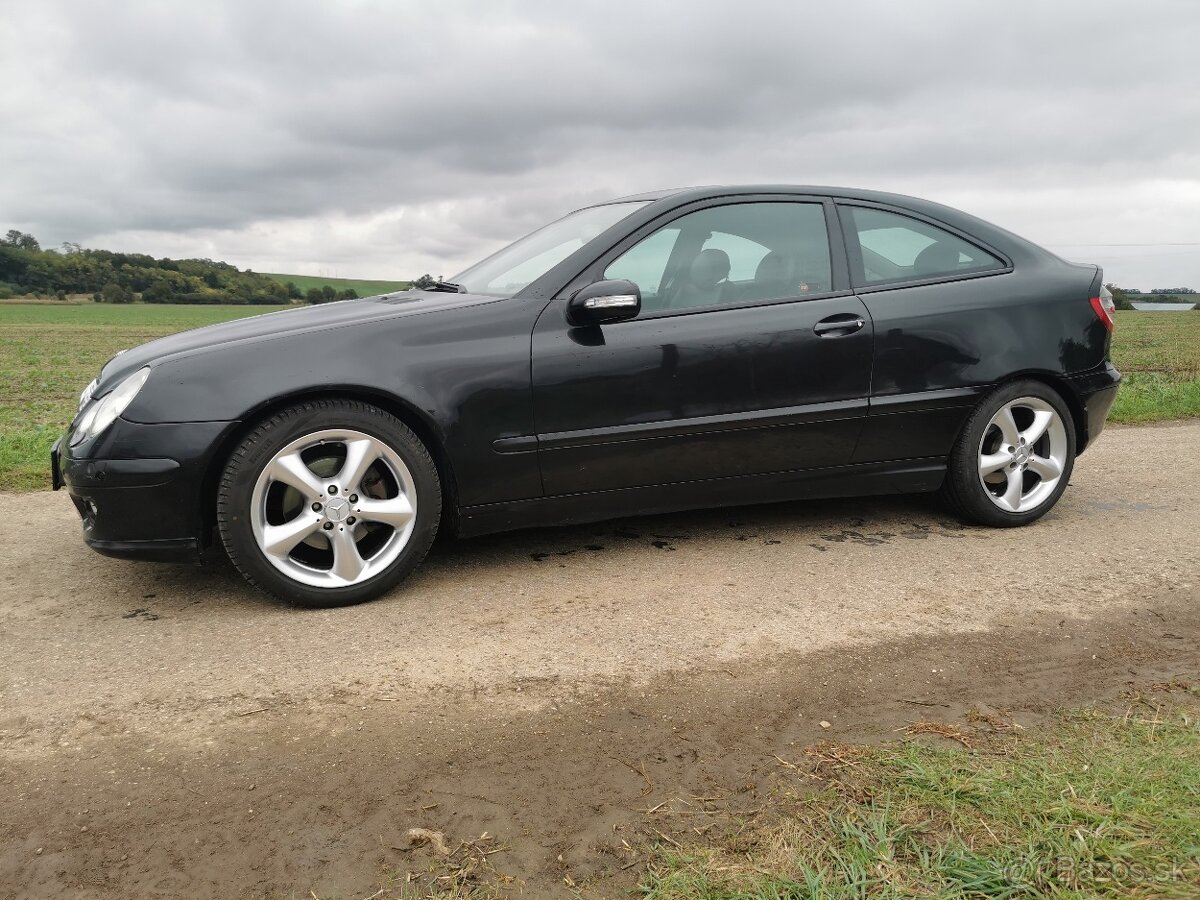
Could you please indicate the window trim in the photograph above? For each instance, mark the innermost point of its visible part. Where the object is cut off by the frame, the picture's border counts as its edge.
(854, 249)
(838, 265)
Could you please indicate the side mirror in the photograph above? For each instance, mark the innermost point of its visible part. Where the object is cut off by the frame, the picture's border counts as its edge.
(604, 301)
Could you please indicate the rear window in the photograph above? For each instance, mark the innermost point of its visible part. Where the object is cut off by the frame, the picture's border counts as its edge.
(899, 248)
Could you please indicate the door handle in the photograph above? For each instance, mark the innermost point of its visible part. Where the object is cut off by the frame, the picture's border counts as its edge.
(839, 325)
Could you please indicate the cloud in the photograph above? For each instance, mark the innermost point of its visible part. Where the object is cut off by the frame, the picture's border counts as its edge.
(382, 138)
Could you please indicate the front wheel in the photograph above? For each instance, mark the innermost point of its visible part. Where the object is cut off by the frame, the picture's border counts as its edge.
(329, 503)
(1014, 457)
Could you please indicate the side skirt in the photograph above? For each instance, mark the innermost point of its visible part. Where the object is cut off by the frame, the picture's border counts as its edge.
(904, 477)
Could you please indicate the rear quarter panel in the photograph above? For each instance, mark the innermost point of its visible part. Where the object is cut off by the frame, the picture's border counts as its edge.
(940, 347)
(983, 330)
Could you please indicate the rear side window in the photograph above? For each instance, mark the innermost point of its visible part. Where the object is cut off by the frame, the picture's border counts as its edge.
(899, 248)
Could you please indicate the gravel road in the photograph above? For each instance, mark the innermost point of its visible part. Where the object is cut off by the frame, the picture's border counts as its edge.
(100, 655)
(624, 600)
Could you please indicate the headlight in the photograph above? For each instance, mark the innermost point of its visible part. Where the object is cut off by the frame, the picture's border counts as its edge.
(86, 397)
(88, 391)
(103, 412)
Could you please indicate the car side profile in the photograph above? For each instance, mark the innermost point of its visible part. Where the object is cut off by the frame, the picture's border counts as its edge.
(673, 350)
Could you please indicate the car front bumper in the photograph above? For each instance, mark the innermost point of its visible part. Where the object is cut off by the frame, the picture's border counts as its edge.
(138, 490)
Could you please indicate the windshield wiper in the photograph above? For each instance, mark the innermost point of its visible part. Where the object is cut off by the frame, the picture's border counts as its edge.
(447, 287)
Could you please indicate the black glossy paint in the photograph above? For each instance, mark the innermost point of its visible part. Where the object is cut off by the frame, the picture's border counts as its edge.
(703, 395)
(535, 421)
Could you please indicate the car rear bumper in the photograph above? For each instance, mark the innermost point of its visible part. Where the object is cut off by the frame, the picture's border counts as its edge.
(1096, 391)
(145, 507)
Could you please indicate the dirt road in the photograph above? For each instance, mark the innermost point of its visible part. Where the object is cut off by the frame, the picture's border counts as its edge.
(168, 731)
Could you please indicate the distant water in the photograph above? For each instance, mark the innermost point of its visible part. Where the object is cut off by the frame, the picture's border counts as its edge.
(1161, 307)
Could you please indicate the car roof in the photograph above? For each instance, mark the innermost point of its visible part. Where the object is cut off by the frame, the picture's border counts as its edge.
(710, 191)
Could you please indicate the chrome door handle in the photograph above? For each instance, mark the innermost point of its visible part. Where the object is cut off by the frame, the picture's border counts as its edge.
(839, 325)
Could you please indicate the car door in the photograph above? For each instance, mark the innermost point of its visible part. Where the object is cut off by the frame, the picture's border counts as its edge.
(931, 292)
(750, 355)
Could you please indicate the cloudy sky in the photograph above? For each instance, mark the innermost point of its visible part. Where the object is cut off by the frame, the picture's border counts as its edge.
(390, 138)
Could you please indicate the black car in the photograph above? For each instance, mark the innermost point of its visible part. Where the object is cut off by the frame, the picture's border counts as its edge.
(681, 349)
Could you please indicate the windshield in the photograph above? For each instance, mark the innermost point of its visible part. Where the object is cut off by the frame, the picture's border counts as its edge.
(534, 255)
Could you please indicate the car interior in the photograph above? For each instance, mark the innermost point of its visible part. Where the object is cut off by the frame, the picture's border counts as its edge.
(897, 247)
(707, 267)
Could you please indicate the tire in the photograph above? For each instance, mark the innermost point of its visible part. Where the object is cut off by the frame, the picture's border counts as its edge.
(294, 529)
(1014, 457)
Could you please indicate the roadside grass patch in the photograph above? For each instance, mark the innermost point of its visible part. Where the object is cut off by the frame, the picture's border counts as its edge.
(1102, 804)
(1159, 355)
(1155, 396)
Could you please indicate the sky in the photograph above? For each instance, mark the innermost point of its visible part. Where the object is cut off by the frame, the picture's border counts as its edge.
(387, 139)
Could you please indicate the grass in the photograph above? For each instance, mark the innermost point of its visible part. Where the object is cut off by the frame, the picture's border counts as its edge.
(158, 319)
(47, 355)
(365, 287)
(48, 352)
(1101, 805)
(1159, 354)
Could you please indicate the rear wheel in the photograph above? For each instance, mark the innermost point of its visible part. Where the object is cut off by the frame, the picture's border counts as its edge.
(329, 503)
(1014, 457)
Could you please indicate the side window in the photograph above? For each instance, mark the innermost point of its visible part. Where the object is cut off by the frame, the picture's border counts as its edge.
(645, 264)
(741, 253)
(898, 248)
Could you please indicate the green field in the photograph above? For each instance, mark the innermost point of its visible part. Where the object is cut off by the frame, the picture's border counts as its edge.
(1159, 355)
(48, 352)
(364, 287)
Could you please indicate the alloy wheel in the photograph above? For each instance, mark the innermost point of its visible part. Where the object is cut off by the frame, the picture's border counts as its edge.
(333, 508)
(1022, 454)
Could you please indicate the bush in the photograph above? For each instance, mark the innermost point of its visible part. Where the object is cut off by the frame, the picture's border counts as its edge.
(201, 297)
(157, 292)
(114, 293)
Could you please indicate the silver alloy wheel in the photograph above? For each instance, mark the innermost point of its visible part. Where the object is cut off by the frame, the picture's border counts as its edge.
(333, 508)
(1022, 454)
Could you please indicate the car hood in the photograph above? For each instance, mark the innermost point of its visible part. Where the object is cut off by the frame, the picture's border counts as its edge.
(291, 321)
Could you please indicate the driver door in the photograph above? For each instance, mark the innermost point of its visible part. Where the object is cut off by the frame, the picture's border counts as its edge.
(751, 355)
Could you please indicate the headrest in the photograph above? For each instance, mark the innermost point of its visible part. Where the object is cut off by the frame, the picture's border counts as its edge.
(710, 267)
(936, 259)
(772, 268)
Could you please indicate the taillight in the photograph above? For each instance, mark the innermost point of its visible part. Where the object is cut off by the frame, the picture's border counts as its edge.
(1104, 307)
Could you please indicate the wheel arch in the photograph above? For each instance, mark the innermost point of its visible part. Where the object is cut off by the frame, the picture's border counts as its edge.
(1061, 386)
(421, 424)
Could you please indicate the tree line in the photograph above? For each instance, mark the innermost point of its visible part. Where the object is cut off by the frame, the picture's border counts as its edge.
(1124, 297)
(25, 268)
